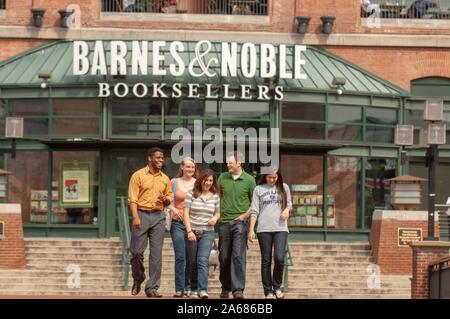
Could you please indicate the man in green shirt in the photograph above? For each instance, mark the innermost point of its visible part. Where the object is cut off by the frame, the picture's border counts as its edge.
(236, 188)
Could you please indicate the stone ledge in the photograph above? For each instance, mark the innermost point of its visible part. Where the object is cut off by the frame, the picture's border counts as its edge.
(430, 243)
(335, 39)
(402, 215)
(10, 209)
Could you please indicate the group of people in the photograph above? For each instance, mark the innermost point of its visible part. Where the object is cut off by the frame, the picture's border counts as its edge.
(417, 8)
(197, 201)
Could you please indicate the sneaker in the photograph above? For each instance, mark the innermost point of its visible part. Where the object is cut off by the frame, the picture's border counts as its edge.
(270, 296)
(193, 295)
(203, 294)
(187, 293)
(238, 294)
(224, 294)
(178, 294)
(279, 294)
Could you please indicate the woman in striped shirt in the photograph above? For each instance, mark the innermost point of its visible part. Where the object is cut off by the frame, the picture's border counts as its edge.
(201, 213)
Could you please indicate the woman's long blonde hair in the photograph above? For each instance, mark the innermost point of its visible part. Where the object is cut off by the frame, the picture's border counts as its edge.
(183, 162)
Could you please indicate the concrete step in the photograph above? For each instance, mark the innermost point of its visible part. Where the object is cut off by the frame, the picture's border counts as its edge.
(72, 242)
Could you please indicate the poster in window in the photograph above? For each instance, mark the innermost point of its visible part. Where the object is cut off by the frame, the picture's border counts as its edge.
(75, 186)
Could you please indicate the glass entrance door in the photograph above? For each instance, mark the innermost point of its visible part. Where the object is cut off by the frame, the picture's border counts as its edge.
(123, 163)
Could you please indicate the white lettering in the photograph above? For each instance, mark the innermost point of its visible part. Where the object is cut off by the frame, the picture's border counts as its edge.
(176, 47)
(298, 62)
(176, 90)
(248, 60)
(268, 66)
(125, 89)
(80, 60)
(245, 92)
(209, 92)
(103, 90)
(157, 57)
(139, 58)
(144, 90)
(99, 61)
(118, 53)
(229, 59)
(283, 72)
(157, 90)
(193, 90)
(279, 93)
(226, 88)
(262, 92)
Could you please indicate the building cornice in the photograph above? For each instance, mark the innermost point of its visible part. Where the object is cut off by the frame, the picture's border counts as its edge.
(336, 39)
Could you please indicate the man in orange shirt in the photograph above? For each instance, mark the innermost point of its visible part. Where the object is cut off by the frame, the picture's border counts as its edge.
(148, 193)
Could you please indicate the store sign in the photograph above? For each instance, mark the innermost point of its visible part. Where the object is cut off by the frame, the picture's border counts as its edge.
(305, 187)
(409, 235)
(147, 57)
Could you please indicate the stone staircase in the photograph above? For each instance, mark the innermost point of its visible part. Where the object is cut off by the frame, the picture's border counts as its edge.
(319, 270)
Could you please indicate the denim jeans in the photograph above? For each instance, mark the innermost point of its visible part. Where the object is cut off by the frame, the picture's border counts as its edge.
(179, 239)
(267, 240)
(233, 255)
(199, 251)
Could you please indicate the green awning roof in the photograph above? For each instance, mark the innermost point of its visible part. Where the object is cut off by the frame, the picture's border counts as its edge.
(321, 67)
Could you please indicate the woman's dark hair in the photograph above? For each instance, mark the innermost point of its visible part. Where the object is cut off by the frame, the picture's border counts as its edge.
(278, 185)
(197, 190)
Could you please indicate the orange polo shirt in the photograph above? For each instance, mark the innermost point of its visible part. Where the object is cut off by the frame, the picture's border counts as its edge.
(148, 189)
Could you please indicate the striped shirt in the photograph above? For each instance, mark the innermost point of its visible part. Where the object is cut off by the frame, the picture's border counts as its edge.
(200, 210)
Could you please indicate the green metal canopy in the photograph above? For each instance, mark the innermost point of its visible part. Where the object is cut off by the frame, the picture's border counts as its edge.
(321, 68)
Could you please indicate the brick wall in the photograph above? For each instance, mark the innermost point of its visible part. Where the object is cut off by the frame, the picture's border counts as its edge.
(394, 259)
(282, 17)
(423, 254)
(12, 246)
(12, 47)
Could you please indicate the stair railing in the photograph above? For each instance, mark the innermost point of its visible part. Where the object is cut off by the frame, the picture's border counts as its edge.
(287, 263)
(125, 237)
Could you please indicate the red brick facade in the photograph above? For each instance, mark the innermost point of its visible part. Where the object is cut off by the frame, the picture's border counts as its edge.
(423, 254)
(12, 246)
(392, 258)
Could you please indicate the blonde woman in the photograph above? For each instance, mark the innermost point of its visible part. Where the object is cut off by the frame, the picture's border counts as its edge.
(181, 185)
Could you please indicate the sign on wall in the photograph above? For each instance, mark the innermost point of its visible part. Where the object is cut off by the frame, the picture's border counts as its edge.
(408, 235)
(75, 188)
(2, 230)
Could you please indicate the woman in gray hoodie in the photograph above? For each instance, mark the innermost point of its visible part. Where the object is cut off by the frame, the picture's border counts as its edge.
(271, 205)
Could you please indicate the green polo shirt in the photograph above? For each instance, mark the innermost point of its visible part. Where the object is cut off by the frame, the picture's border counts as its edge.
(236, 195)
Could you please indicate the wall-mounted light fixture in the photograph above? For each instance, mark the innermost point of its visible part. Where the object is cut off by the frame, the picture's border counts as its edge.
(44, 75)
(38, 16)
(338, 83)
(65, 14)
(302, 24)
(327, 24)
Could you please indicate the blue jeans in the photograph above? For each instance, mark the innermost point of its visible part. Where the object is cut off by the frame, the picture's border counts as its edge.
(233, 238)
(199, 251)
(266, 241)
(179, 239)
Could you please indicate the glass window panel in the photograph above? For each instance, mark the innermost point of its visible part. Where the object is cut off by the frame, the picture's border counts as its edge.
(245, 125)
(304, 169)
(64, 212)
(416, 119)
(380, 134)
(344, 192)
(28, 184)
(344, 132)
(137, 127)
(75, 127)
(135, 107)
(248, 110)
(377, 186)
(35, 127)
(344, 114)
(381, 116)
(305, 112)
(29, 107)
(306, 131)
(76, 107)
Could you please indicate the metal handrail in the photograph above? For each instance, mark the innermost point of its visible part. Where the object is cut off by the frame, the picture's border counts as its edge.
(287, 263)
(125, 238)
